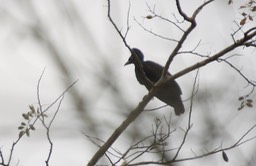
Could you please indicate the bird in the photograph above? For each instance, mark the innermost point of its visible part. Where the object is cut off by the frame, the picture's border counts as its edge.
(169, 93)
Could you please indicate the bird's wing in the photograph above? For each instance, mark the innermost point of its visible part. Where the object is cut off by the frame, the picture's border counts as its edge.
(153, 72)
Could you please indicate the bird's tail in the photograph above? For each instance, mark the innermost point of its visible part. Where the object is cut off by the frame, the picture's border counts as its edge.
(178, 107)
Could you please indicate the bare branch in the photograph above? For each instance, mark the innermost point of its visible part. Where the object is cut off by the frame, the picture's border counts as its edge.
(152, 11)
(153, 33)
(189, 118)
(138, 110)
(133, 115)
(116, 28)
(208, 153)
(48, 130)
(240, 72)
(213, 58)
(38, 93)
(128, 19)
(184, 15)
(192, 20)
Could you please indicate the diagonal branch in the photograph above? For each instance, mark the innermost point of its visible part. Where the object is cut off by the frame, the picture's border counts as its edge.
(192, 20)
(250, 34)
(123, 37)
(138, 110)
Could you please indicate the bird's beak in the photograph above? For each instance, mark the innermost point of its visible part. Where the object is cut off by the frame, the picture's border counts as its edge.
(127, 63)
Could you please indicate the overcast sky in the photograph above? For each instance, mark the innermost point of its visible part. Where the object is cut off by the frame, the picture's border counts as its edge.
(33, 35)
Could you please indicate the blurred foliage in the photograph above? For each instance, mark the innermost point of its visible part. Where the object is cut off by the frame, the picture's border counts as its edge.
(76, 40)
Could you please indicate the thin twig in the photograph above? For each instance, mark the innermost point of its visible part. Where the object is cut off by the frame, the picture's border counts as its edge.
(163, 18)
(153, 33)
(189, 117)
(138, 110)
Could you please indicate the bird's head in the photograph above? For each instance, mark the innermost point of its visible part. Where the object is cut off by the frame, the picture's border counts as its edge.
(135, 52)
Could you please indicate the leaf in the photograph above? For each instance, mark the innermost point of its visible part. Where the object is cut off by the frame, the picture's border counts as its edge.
(243, 6)
(25, 116)
(250, 17)
(250, 2)
(23, 123)
(21, 133)
(244, 14)
(242, 22)
(249, 100)
(27, 132)
(249, 105)
(21, 127)
(32, 127)
(224, 156)
(149, 17)
(241, 98)
(32, 108)
(240, 108)
(253, 9)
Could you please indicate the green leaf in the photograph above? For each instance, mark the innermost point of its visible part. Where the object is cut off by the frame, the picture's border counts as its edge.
(21, 127)
(27, 132)
(21, 133)
(32, 108)
(149, 17)
(240, 108)
(25, 116)
(32, 127)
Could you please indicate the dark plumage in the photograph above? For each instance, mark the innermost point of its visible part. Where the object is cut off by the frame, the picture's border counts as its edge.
(168, 93)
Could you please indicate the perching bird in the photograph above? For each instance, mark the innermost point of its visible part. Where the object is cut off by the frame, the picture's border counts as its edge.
(169, 92)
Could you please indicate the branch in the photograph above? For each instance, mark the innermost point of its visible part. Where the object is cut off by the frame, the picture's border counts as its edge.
(215, 57)
(138, 110)
(131, 117)
(123, 37)
(48, 130)
(189, 117)
(192, 20)
(32, 117)
(239, 72)
(165, 19)
(218, 150)
(153, 33)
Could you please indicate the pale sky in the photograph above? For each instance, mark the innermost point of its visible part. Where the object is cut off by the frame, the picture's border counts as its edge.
(90, 48)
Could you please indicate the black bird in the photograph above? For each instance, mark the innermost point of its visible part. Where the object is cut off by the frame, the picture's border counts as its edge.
(169, 92)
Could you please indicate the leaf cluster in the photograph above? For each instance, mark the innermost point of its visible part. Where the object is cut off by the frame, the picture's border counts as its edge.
(245, 102)
(27, 124)
(250, 8)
